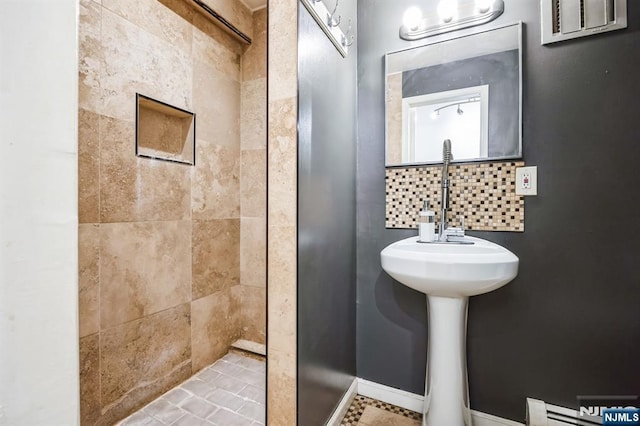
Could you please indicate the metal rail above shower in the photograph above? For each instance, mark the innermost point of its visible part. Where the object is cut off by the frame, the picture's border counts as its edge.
(220, 20)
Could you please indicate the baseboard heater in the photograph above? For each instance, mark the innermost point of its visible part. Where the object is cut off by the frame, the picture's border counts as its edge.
(539, 413)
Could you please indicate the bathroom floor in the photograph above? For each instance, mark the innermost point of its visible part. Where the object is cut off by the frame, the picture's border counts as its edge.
(371, 412)
(229, 392)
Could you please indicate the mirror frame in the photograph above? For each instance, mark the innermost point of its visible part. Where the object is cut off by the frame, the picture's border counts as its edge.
(520, 27)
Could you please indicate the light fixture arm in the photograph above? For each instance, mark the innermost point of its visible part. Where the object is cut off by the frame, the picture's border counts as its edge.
(468, 101)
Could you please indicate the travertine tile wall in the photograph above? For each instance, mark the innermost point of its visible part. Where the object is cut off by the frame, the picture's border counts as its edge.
(235, 12)
(282, 211)
(159, 243)
(253, 180)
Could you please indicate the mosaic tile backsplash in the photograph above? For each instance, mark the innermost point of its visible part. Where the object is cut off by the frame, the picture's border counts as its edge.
(484, 193)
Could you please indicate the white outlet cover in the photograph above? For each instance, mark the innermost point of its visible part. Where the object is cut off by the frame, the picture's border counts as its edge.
(532, 173)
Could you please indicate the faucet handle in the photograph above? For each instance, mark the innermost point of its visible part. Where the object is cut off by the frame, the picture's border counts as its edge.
(455, 232)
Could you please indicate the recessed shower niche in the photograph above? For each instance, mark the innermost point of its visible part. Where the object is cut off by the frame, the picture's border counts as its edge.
(164, 132)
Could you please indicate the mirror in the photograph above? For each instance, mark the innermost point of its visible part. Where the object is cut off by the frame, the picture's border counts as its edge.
(467, 89)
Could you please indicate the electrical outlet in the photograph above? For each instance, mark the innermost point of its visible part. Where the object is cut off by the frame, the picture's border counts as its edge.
(527, 180)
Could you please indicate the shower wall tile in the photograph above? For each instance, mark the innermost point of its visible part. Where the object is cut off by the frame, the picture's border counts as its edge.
(88, 279)
(134, 188)
(215, 325)
(235, 12)
(216, 182)
(90, 379)
(145, 268)
(281, 382)
(88, 167)
(254, 60)
(282, 310)
(217, 105)
(145, 357)
(253, 318)
(213, 53)
(283, 157)
(91, 57)
(253, 191)
(253, 179)
(137, 61)
(155, 19)
(215, 31)
(216, 256)
(282, 210)
(283, 48)
(253, 252)
(253, 120)
(181, 8)
(282, 287)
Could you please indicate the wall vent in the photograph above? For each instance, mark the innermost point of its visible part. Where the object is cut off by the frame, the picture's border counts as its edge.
(567, 19)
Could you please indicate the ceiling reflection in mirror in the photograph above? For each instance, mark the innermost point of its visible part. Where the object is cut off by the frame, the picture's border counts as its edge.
(466, 89)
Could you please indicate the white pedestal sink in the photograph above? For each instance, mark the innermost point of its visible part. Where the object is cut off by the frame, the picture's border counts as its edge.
(448, 274)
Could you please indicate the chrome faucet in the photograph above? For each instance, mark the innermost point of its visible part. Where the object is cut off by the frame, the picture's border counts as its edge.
(447, 234)
(446, 159)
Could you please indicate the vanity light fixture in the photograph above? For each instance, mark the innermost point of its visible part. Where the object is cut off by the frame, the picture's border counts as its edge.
(450, 15)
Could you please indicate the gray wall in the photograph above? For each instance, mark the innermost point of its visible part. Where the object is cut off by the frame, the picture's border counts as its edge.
(569, 323)
(326, 220)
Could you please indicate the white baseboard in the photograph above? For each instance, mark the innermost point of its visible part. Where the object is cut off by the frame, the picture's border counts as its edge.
(483, 419)
(404, 399)
(345, 402)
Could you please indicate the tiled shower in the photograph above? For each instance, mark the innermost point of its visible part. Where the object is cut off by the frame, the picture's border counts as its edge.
(171, 256)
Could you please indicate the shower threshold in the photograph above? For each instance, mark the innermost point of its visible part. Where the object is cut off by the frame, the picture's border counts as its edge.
(231, 391)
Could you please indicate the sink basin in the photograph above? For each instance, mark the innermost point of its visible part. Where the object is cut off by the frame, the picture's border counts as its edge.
(448, 274)
(450, 270)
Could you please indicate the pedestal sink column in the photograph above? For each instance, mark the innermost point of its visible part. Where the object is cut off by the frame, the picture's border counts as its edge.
(446, 400)
(448, 274)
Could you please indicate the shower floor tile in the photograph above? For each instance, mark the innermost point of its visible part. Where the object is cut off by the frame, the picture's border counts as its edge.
(229, 392)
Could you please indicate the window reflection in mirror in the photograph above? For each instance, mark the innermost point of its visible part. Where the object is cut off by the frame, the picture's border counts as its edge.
(466, 89)
(460, 115)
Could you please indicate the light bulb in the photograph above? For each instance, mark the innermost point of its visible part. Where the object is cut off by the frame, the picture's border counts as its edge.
(460, 111)
(483, 6)
(434, 115)
(412, 18)
(447, 9)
